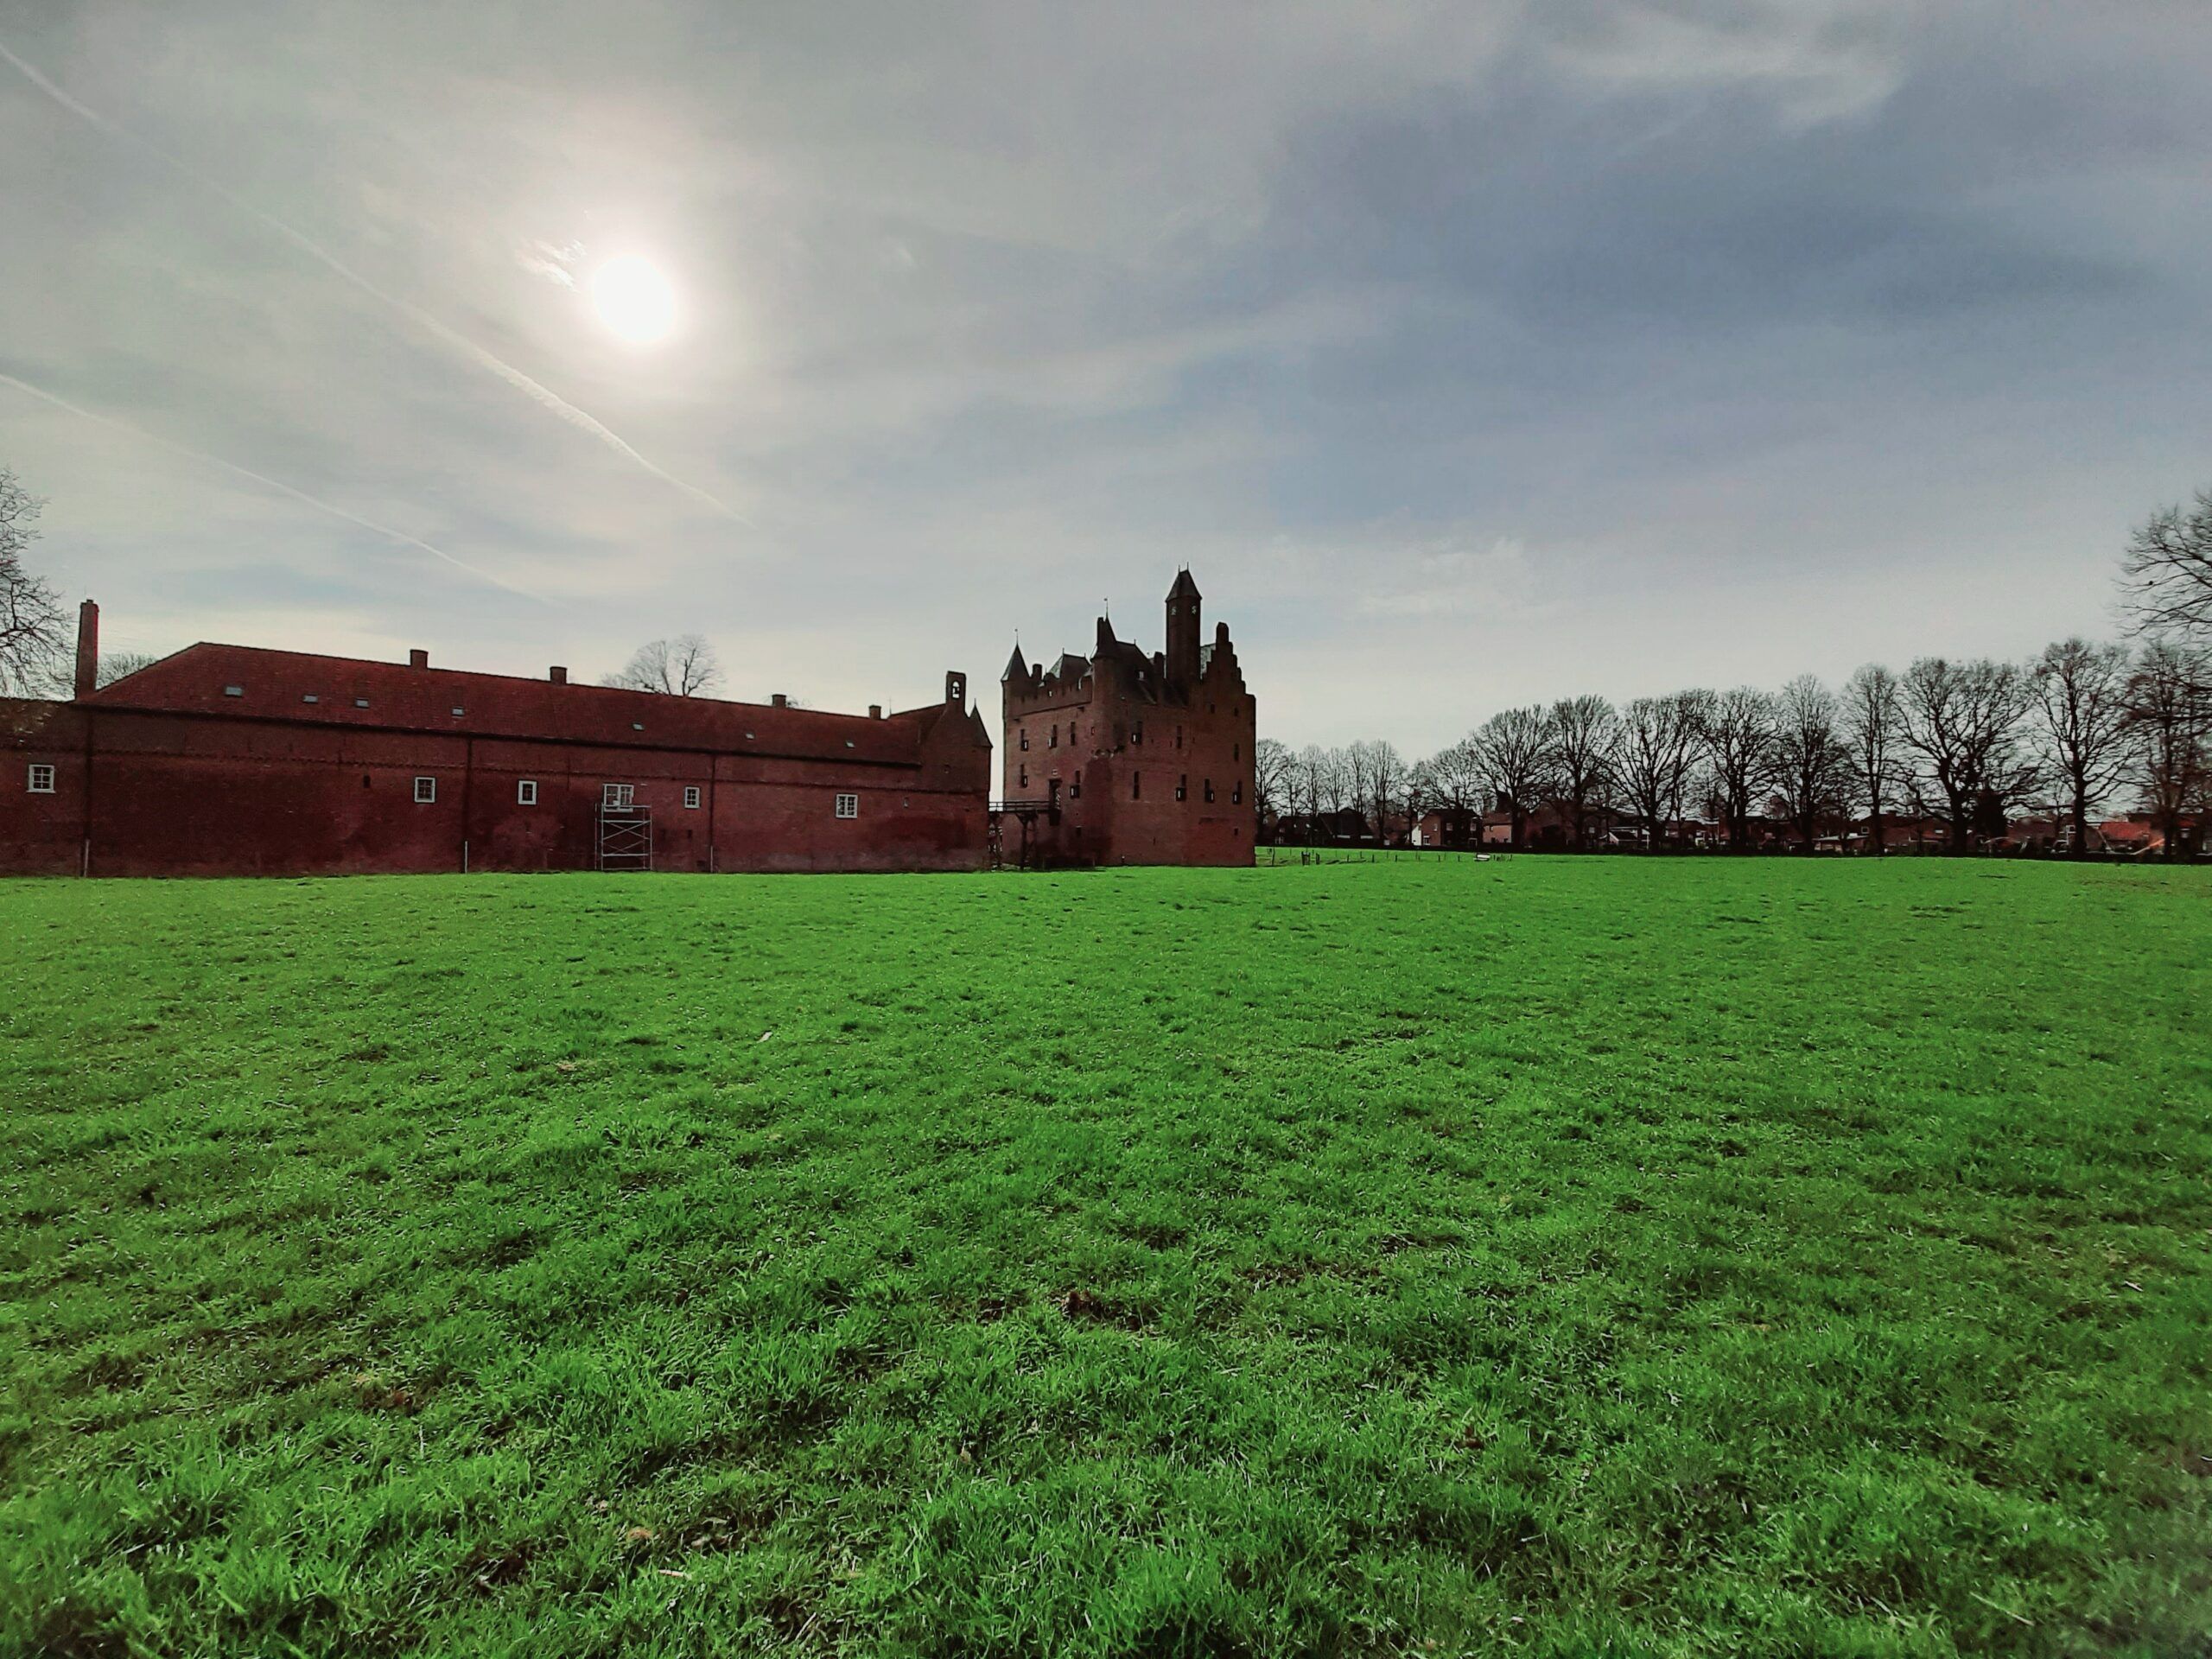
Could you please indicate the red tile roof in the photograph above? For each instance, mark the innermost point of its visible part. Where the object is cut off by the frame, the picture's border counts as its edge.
(333, 691)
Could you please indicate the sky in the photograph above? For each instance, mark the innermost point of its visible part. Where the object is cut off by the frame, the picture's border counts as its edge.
(1471, 355)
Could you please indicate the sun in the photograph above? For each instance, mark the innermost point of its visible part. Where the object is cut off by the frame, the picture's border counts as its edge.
(634, 300)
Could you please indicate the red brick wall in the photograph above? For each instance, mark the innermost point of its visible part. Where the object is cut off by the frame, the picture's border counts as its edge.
(205, 795)
(1109, 824)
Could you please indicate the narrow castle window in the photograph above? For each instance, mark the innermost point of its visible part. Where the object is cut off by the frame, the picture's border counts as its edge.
(1182, 785)
(1136, 785)
(526, 792)
(1022, 732)
(1136, 732)
(1023, 777)
(1054, 742)
(691, 795)
(1178, 737)
(1209, 789)
(1237, 794)
(1236, 751)
(426, 791)
(1074, 786)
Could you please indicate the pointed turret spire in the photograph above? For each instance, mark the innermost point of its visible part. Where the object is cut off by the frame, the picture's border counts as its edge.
(1183, 601)
(1016, 669)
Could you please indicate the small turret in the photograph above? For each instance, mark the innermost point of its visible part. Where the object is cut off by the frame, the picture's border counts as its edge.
(1017, 668)
(1184, 603)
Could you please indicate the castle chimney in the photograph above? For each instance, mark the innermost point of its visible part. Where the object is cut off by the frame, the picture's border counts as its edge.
(780, 701)
(558, 675)
(418, 660)
(88, 649)
(875, 711)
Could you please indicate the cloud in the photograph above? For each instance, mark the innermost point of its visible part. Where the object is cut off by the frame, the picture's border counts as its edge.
(1469, 352)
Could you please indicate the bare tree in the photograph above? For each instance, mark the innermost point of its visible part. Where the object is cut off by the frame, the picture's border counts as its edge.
(1514, 750)
(1736, 730)
(1871, 716)
(2166, 572)
(683, 667)
(1450, 783)
(1964, 721)
(1378, 774)
(1584, 731)
(116, 664)
(1657, 753)
(1309, 782)
(1812, 763)
(2081, 693)
(1272, 765)
(2170, 718)
(33, 639)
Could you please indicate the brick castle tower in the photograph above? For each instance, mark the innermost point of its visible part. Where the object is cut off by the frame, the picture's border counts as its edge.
(1125, 759)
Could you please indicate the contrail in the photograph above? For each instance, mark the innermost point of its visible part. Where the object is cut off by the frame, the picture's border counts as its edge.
(545, 396)
(301, 496)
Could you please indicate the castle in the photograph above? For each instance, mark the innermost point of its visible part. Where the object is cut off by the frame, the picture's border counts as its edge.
(1125, 759)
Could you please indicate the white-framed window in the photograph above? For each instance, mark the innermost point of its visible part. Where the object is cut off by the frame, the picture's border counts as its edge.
(41, 779)
(426, 791)
(849, 806)
(620, 797)
(691, 795)
(234, 690)
(526, 792)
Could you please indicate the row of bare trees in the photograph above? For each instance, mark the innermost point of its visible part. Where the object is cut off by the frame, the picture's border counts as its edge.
(2079, 728)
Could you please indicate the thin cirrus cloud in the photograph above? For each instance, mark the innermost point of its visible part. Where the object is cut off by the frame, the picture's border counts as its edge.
(1471, 355)
(542, 396)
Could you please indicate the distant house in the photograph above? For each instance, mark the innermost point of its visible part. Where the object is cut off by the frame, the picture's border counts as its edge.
(2130, 837)
(1900, 834)
(1346, 826)
(1448, 826)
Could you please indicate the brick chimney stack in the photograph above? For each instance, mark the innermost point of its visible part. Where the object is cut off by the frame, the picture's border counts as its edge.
(559, 676)
(88, 649)
(418, 660)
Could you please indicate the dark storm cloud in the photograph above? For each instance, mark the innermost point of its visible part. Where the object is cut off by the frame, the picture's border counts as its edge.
(1470, 353)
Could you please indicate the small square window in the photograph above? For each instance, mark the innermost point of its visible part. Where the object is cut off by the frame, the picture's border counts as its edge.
(458, 712)
(849, 742)
(234, 690)
(360, 703)
(622, 796)
(426, 791)
(310, 697)
(849, 806)
(637, 725)
(41, 780)
(691, 795)
(526, 792)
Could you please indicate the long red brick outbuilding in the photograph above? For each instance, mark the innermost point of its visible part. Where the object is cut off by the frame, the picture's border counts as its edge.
(233, 761)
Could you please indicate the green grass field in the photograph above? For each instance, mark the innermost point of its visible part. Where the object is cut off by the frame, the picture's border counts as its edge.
(1534, 1256)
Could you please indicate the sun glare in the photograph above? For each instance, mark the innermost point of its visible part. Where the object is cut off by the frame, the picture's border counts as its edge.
(634, 300)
